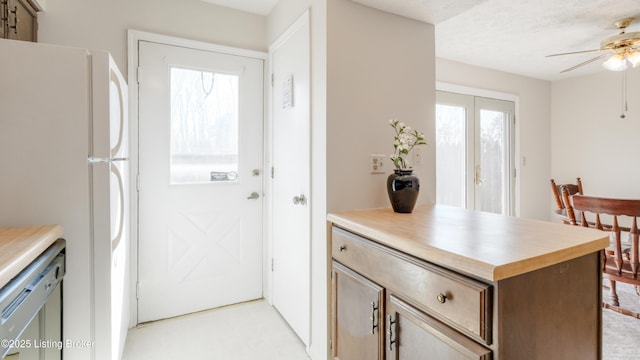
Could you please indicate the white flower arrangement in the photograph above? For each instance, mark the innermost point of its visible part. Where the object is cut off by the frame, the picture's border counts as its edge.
(404, 141)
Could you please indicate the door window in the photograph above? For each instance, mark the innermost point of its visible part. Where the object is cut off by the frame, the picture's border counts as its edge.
(204, 126)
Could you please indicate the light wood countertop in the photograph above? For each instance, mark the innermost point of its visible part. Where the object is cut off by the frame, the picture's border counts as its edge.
(21, 245)
(483, 245)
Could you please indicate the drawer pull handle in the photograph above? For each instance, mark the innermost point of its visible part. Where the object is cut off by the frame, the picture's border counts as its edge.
(343, 248)
(374, 317)
(442, 298)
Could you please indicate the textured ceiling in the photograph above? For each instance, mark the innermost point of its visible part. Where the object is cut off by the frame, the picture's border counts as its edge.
(507, 35)
(260, 7)
(515, 35)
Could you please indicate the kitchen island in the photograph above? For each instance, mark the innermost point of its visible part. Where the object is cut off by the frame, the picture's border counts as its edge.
(460, 284)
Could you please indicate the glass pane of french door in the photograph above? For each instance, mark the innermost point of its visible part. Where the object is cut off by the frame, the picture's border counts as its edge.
(493, 155)
(451, 149)
(474, 152)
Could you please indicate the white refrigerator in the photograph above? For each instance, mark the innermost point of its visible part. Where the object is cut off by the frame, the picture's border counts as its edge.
(63, 160)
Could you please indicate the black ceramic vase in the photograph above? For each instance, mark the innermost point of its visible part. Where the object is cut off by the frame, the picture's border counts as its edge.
(403, 188)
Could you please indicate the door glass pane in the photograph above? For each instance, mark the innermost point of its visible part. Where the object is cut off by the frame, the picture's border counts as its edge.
(494, 162)
(451, 151)
(204, 127)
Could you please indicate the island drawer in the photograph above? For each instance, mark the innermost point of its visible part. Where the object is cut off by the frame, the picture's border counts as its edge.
(461, 302)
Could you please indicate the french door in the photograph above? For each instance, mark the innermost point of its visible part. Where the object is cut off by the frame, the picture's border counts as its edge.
(200, 180)
(475, 166)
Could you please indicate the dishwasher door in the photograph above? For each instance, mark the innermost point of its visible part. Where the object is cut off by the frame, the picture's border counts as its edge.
(41, 340)
(30, 309)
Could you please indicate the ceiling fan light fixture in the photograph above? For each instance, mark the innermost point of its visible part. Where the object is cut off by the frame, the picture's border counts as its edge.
(617, 62)
(634, 58)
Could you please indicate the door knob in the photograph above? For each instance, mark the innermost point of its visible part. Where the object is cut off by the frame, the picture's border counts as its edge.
(254, 196)
(299, 200)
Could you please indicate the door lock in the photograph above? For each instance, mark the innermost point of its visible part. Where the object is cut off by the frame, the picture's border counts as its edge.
(478, 175)
(299, 200)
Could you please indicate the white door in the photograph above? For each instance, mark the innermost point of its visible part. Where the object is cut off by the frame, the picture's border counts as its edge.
(200, 180)
(475, 152)
(291, 184)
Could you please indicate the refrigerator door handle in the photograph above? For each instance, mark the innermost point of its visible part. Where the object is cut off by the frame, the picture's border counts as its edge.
(96, 160)
(115, 241)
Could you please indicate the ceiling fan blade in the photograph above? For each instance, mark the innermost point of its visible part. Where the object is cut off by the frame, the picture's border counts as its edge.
(575, 52)
(586, 62)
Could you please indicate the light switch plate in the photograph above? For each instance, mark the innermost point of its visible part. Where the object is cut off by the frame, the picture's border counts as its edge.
(377, 164)
(417, 156)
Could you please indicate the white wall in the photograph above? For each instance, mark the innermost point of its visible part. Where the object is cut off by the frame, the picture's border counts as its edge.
(533, 128)
(379, 66)
(103, 24)
(358, 85)
(590, 140)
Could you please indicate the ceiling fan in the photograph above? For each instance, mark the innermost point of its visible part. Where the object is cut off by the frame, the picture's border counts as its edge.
(623, 49)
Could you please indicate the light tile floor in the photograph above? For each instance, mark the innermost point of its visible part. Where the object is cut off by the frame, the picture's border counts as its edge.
(247, 331)
(255, 330)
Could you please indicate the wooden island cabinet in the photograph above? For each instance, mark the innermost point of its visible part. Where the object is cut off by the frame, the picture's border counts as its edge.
(447, 283)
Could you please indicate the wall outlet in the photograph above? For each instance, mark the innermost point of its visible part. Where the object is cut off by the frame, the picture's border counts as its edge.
(377, 164)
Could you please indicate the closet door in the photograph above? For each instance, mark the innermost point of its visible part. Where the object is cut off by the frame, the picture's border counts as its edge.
(413, 335)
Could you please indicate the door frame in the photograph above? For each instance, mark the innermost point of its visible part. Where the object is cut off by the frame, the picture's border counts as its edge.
(133, 38)
(466, 90)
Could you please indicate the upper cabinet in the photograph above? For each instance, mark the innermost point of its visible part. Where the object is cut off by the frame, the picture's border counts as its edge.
(19, 20)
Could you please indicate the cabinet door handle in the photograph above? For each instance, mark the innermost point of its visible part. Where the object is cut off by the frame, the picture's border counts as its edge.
(390, 330)
(15, 20)
(374, 317)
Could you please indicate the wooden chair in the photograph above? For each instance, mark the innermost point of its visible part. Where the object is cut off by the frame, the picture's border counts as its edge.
(572, 188)
(620, 261)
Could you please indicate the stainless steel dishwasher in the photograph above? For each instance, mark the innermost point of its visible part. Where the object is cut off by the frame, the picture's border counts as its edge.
(30, 322)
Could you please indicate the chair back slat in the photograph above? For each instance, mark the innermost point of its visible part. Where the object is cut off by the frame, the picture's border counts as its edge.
(634, 247)
(583, 218)
(617, 244)
(569, 209)
(598, 222)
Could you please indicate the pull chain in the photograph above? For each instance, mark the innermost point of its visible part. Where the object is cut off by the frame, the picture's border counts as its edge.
(624, 95)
